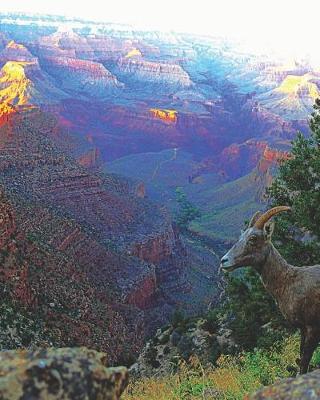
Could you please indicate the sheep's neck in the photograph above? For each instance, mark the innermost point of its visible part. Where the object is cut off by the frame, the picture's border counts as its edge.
(274, 272)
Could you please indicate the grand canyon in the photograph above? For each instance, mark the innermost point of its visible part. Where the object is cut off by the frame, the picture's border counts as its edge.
(99, 125)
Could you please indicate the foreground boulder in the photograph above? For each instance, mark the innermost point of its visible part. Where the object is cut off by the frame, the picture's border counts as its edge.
(304, 387)
(59, 373)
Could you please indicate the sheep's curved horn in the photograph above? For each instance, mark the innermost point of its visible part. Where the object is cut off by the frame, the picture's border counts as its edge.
(264, 218)
(254, 218)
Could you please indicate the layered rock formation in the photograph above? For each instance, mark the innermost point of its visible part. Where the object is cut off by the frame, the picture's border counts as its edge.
(65, 42)
(52, 280)
(82, 76)
(154, 72)
(118, 250)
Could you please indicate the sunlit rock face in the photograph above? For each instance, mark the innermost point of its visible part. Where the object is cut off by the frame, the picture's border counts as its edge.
(294, 96)
(165, 115)
(14, 86)
(272, 73)
(133, 53)
(23, 84)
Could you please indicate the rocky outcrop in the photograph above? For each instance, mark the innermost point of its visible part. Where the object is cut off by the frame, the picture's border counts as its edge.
(16, 52)
(158, 248)
(14, 86)
(143, 296)
(306, 387)
(239, 159)
(180, 341)
(61, 373)
(169, 116)
(271, 157)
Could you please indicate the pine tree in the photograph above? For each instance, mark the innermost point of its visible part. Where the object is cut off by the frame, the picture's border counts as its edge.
(187, 212)
(298, 184)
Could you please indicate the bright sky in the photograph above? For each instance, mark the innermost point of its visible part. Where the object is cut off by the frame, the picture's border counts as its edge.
(288, 26)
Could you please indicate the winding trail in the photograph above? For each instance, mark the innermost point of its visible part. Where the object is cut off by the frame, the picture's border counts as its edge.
(174, 157)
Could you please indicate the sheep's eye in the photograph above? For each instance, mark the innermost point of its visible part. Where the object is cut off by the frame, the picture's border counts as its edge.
(253, 239)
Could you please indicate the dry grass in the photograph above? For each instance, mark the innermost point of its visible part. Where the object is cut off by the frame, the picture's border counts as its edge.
(232, 379)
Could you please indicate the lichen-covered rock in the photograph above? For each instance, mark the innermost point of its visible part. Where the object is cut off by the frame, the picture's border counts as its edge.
(59, 373)
(304, 387)
(171, 344)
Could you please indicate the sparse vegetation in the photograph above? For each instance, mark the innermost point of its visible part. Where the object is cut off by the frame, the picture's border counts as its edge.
(20, 328)
(233, 377)
(187, 211)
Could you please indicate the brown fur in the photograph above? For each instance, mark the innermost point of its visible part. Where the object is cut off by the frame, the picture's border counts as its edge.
(295, 289)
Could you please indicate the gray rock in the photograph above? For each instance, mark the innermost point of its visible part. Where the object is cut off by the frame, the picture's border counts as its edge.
(303, 387)
(59, 373)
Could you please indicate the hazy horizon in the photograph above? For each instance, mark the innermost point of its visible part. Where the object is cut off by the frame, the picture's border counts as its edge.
(284, 28)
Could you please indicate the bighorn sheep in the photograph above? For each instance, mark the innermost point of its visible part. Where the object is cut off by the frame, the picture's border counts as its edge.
(295, 289)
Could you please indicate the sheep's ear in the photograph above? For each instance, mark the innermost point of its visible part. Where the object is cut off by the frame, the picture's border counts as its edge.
(268, 229)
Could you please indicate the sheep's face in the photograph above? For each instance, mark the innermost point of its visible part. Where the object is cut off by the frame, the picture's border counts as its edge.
(250, 250)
